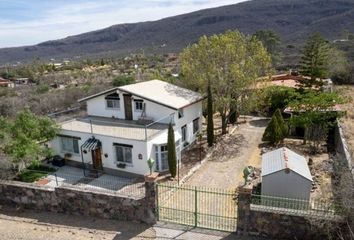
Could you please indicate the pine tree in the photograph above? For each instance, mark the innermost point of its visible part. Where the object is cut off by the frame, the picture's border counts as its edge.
(210, 124)
(314, 62)
(171, 148)
(273, 132)
(283, 126)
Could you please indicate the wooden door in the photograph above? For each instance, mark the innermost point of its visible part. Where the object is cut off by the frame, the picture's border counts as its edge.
(128, 107)
(97, 159)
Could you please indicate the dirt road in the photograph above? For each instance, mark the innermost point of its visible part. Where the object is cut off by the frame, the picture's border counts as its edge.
(32, 225)
(235, 151)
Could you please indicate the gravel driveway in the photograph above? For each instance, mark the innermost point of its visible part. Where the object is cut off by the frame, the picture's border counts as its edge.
(232, 153)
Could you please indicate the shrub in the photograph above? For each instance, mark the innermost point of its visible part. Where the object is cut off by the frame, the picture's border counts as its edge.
(42, 89)
(273, 132)
(122, 80)
(277, 97)
(283, 126)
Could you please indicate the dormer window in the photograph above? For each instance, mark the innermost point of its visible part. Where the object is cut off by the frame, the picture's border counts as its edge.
(113, 101)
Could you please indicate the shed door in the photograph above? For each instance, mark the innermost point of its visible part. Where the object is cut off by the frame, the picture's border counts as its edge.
(128, 106)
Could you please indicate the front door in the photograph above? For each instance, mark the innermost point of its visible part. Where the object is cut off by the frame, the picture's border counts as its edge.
(128, 106)
(97, 159)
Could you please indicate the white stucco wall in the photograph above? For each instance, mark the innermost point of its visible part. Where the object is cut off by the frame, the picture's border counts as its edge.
(97, 107)
(289, 185)
(190, 113)
(155, 111)
(139, 166)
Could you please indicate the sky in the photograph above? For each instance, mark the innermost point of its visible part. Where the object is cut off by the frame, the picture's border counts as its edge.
(28, 22)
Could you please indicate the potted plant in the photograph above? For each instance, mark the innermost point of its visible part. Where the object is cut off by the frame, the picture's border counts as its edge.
(121, 165)
(150, 163)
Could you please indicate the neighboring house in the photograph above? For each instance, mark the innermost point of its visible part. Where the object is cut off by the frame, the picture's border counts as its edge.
(285, 174)
(6, 83)
(128, 125)
(293, 81)
(21, 81)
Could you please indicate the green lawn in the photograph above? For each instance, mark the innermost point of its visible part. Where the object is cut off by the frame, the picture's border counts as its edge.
(33, 173)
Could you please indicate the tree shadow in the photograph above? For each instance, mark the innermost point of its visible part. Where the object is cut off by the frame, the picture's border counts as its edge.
(259, 122)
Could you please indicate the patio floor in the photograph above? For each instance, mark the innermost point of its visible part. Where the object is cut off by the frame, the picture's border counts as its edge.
(74, 177)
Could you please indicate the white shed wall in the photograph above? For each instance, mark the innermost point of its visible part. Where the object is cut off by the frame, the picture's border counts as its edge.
(289, 185)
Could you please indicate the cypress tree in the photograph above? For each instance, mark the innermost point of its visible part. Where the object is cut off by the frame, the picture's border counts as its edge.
(171, 148)
(283, 126)
(210, 123)
(273, 132)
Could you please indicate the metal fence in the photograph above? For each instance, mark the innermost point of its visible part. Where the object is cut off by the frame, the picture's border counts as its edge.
(104, 183)
(197, 206)
(300, 207)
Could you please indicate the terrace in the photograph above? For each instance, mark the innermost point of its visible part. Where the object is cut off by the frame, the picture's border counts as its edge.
(120, 128)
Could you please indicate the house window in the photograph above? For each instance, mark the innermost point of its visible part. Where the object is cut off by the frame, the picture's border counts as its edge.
(195, 125)
(184, 133)
(161, 158)
(124, 154)
(138, 105)
(113, 101)
(70, 145)
(180, 113)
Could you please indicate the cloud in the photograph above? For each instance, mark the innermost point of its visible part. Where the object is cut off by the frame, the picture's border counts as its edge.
(57, 19)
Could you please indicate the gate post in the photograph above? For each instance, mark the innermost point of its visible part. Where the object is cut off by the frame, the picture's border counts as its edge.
(195, 207)
(244, 208)
(150, 198)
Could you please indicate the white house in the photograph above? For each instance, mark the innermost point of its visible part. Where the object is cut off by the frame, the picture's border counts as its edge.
(285, 174)
(125, 126)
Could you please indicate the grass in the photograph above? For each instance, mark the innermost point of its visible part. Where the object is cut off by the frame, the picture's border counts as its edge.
(34, 173)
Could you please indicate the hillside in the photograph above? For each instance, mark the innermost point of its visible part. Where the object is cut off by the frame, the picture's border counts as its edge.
(293, 20)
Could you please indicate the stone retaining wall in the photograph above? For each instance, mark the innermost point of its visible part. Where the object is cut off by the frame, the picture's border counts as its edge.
(271, 224)
(342, 149)
(78, 202)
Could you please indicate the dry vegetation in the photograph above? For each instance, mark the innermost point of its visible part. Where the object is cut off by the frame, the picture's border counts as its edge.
(347, 121)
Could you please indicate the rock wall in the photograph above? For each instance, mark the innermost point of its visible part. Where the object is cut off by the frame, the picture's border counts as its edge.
(270, 224)
(77, 201)
(342, 149)
(282, 226)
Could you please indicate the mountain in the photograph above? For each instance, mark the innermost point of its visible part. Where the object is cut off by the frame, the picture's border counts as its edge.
(293, 20)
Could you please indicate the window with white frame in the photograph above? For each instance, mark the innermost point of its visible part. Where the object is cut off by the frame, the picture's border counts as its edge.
(195, 125)
(139, 105)
(70, 145)
(161, 155)
(113, 101)
(124, 154)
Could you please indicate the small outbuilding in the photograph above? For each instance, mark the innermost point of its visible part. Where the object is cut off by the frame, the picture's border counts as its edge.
(285, 174)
